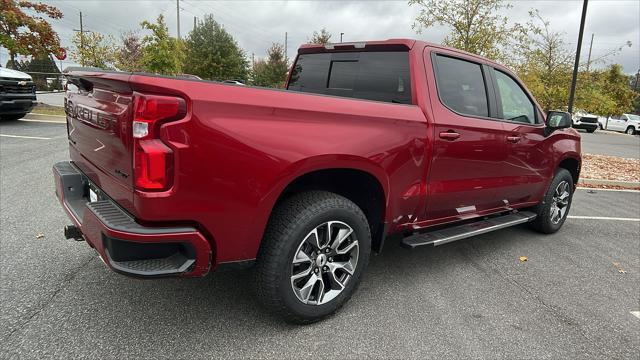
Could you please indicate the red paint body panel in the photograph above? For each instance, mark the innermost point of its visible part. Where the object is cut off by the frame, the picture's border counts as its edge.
(238, 148)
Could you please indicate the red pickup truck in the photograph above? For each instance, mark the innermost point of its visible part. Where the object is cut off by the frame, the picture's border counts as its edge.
(371, 140)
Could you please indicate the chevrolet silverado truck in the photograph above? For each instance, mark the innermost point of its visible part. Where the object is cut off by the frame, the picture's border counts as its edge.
(396, 140)
(17, 94)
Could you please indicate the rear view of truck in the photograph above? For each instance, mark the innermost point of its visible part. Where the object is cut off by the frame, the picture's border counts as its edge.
(119, 159)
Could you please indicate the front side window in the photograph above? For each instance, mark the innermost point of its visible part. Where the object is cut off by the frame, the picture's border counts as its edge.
(461, 86)
(516, 105)
(380, 76)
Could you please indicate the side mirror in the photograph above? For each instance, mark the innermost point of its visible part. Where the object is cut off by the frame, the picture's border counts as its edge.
(558, 120)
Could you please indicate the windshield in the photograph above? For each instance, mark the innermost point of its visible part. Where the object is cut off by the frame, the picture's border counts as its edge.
(633, 117)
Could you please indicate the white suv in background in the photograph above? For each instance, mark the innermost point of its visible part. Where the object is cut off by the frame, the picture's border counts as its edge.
(627, 123)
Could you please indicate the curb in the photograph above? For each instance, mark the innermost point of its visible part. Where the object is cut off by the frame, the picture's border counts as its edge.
(603, 182)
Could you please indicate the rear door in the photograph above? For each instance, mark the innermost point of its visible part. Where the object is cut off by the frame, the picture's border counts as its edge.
(469, 148)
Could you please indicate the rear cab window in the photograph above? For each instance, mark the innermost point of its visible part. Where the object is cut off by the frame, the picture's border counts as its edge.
(376, 75)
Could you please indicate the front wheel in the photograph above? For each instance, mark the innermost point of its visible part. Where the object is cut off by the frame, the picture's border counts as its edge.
(590, 131)
(554, 207)
(313, 255)
(630, 130)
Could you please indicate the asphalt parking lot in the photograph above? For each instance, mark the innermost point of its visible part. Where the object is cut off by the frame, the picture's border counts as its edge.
(611, 143)
(573, 298)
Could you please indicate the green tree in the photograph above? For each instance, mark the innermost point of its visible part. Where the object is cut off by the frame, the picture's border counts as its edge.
(161, 53)
(544, 63)
(476, 26)
(213, 54)
(25, 34)
(94, 49)
(323, 37)
(271, 72)
(43, 64)
(128, 56)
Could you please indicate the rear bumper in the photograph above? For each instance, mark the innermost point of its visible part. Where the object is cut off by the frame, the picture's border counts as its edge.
(123, 244)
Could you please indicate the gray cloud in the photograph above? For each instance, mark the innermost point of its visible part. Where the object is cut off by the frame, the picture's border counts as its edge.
(256, 24)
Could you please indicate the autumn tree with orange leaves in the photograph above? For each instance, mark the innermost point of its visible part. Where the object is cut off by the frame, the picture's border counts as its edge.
(25, 34)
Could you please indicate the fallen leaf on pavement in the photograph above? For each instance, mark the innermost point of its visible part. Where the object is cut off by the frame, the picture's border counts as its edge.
(40, 236)
(523, 258)
(620, 269)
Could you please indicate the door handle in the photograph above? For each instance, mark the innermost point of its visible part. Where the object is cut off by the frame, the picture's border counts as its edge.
(449, 135)
(513, 139)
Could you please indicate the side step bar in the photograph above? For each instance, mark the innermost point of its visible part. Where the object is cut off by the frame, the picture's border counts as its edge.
(454, 233)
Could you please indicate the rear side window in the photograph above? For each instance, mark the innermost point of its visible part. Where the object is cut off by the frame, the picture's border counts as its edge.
(380, 76)
(516, 105)
(461, 86)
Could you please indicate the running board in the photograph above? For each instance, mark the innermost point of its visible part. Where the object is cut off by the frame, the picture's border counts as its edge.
(454, 233)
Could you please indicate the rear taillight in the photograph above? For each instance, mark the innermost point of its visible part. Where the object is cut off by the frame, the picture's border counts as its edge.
(153, 159)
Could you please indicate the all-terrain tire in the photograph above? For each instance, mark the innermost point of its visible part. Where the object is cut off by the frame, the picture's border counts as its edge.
(290, 223)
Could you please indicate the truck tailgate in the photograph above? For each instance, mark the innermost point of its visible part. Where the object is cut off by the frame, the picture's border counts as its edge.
(99, 120)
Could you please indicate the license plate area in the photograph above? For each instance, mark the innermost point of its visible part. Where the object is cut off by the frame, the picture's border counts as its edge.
(94, 193)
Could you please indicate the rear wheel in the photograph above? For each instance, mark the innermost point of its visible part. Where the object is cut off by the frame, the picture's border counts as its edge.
(630, 130)
(314, 252)
(591, 130)
(554, 207)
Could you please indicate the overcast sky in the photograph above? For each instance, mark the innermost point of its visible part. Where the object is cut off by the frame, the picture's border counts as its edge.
(256, 24)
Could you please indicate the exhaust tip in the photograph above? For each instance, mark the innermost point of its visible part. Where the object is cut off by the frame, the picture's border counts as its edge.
(72, 232)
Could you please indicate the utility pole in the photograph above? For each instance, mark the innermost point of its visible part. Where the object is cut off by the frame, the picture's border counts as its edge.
(178, 15)
(589, 58)
(572, 93)
(286, 59)
(253, 60)
(194, 23)
(341, 36)
(82, 31)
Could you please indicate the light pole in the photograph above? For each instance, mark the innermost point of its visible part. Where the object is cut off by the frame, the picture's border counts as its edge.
(341, 36)
(577, 62)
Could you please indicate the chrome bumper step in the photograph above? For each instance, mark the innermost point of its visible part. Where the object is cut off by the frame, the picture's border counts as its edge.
(454, 233)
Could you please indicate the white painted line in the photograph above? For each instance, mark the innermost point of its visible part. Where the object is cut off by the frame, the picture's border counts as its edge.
(52, 115)
(44, 121)
(598, 189)
(635, 313)
(603, 218)
(25, 137)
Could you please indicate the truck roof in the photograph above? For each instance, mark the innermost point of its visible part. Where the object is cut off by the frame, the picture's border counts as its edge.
(376, 45)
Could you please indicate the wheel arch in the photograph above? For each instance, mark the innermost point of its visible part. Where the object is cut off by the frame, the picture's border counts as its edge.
(357, 179)
(573, 165)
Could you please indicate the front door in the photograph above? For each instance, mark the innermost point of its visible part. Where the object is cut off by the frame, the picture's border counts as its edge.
(527, 164)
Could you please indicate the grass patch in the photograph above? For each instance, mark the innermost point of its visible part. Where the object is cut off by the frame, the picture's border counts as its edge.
(48, 109)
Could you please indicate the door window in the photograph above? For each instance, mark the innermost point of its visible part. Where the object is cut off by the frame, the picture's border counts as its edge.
(516, 105)
(461, 86)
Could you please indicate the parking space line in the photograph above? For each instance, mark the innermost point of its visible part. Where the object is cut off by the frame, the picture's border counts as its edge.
(25, 137)
(602, 218)
(44, 121)
(635, 313)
